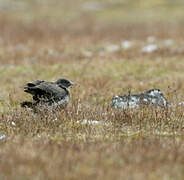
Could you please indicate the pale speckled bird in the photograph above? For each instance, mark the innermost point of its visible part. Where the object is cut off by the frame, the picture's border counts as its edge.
(45, 94)
(151, 97)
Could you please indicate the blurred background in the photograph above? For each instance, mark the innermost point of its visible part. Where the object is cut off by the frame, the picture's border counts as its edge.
(102, 11)
(97, 22)
(132, 44)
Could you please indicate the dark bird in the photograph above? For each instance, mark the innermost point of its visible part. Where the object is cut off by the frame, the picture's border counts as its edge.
(48, 94)
(150, 97)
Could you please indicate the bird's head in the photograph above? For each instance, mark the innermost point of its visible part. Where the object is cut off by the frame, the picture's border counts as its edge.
(154, 92)
(65, 82)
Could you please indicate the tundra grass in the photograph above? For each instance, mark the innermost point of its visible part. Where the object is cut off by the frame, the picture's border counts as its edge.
(48, 40)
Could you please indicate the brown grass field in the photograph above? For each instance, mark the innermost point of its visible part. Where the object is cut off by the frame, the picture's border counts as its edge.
(81, 40)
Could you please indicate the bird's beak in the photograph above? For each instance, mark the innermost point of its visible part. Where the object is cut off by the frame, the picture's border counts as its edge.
(73, 84)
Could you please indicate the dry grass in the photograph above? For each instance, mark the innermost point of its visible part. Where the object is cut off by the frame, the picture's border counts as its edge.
(73, 43)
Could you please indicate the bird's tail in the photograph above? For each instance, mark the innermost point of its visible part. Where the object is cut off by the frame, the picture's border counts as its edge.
(26, 104)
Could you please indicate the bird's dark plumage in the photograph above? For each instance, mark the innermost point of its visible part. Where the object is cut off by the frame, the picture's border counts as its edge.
(150, 97)
(48, 94)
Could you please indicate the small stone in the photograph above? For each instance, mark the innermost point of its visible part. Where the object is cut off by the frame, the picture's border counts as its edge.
(2, 136)
(90, 122)
(126, 44)
(149, 48)
(13, 123)
(181, 103)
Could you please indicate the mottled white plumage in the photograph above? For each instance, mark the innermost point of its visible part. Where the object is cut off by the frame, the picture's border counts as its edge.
(150, 97)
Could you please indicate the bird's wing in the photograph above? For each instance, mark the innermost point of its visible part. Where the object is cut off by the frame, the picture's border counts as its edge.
(48, 91)
(29, 85)
(34, 83)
